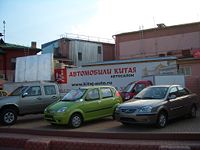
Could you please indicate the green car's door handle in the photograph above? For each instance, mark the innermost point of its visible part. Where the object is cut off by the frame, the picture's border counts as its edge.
(39, 98)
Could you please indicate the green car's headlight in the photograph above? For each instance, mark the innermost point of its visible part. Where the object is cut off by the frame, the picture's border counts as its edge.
(145, 109)
(117, 108)
(63, 109)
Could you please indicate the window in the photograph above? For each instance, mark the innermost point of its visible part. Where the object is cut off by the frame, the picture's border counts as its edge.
(161, 55)
(93, 95)
(186, 53)
(169, 53)
(4, 93)
(34, 91)
(20, 90)
(139, 87)
(99, 49)
(185, 70)
(183, 91)
(74, 95)
(106, 92)
(80, 56)
(173, 91)
(49, 90)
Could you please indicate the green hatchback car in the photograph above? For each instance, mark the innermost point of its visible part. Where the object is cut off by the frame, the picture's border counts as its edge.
(83, 104)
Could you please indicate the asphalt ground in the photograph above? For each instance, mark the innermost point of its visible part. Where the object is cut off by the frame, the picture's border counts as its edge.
(108, 125)
(181, 133)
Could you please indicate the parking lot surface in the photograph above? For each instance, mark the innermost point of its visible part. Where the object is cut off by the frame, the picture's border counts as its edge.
(33, 132)
(181, 125)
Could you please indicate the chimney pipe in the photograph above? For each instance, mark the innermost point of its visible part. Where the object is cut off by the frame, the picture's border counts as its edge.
(33, 45)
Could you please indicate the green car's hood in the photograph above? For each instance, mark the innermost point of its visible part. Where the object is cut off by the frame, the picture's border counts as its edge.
(58, 105)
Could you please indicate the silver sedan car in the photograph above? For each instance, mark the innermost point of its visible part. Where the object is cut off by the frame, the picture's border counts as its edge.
(158, 104)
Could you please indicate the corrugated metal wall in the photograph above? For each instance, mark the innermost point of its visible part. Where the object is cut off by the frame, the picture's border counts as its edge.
(88, 50)
(50, 48)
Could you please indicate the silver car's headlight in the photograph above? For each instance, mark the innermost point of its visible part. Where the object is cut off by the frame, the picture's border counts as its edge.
(145, 109)
(63, 109)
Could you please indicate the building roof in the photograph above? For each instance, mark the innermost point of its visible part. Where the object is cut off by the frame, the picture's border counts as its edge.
(75, 39)
(4, 45)
(150, 59)
(160, 26)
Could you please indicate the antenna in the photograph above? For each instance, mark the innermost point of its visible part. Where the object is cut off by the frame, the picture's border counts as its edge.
(154, 22)
(4, 30)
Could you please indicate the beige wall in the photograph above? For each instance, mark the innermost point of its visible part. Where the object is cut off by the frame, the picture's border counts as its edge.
(158, 45)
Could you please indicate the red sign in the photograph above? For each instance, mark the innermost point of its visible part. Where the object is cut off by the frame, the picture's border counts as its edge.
(61, 75)
(196, 53)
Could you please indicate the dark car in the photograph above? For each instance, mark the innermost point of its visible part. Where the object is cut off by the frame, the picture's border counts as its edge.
(158, 104)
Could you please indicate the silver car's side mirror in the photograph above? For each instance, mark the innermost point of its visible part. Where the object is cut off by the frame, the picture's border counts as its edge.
(171, 96)
(24, 94)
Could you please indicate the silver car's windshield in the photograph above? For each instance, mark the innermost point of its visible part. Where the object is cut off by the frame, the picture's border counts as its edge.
(74, 95)
(152, 93)
(18, 91)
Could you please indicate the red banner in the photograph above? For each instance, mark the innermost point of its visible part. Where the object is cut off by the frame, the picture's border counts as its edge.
(61, 75)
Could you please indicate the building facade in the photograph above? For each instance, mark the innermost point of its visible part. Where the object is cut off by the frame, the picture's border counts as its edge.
(79, 52)
(182, 41)
(8, 55)
(179, 40)
(190, 68)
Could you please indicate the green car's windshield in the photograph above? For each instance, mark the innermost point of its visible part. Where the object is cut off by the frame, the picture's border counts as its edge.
(18, 91)
(74, 95)
(152, 93)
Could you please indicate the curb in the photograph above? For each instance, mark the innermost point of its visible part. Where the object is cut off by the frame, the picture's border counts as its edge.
(98, 135)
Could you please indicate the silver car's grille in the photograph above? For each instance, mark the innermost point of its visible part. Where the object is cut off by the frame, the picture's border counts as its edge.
(128, 110)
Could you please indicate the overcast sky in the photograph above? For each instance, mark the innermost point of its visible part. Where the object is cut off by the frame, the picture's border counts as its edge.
(46, 20)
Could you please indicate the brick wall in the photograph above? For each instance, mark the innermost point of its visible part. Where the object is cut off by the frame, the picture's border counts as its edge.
(108, 52)
(7, 61)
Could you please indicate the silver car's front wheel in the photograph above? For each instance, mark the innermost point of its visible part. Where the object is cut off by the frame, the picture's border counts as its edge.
(8, 117)
(75, 121)
(162, 120)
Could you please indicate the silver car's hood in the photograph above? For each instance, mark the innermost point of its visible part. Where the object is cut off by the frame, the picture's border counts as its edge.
(8, 99)
(141, 103)
(3, 97)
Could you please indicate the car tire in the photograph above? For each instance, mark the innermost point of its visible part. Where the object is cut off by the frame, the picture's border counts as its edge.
(8, 117)
(75, 120)
(161, 120)
(193, 112)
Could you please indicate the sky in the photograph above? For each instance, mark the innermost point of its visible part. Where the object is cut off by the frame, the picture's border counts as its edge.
(47, 20)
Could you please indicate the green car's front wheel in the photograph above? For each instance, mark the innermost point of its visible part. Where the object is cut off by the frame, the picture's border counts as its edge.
(76, 120)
